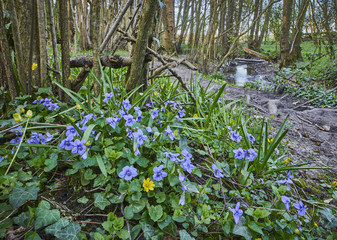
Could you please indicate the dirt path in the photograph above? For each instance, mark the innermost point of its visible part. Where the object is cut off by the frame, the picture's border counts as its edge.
(312, 134)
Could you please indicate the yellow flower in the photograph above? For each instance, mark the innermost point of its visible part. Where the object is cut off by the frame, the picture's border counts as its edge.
(315, 225)
(156, 93)
(175, 133)
(334, 184)
(148, 185)
(297, 231)
(195, 115)
(29, 114)
(258, 238)
(78, 106)
(22, 110)
(34, 66)
(270, 140)
(72, 119)
(17, 117)
(70, 78)
(287, 160)
(323, 106)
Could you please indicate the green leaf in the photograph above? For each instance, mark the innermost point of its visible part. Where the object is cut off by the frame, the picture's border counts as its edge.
(51, 162)
(155, 212)
(88, 131)
(215, 102)
(19, 195)
(43, 90)
(191, 187)
(143, 162)
(83, 200)
(22, 219)
(168, 226)
(101, 165)
(70, 232)
(183, 234)
(118, 223)
(100, 201)
(161, 197)
(54, 228)
(255, 227)
(148, 230)
(138, 206)
(45, 216)
(136, 196)
(123, 234)
(261, 213)
(243, 231)
(128, 213)
(89, 175)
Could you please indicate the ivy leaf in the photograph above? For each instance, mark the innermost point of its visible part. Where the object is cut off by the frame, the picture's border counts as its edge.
(51, 162)
(123, 234)
(155, 212)
(183, 234)
(89, 175)
(22, 219)
(255, 227)
(83, 200)
(191, 187)
(168, 226)
(148, 230)
(19, 195)
(45, 216)
(69, 232)
(243, 231)
(261, 213)
(100, 201)
(56, 227)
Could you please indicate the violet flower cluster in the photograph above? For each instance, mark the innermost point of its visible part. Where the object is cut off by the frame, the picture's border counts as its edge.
(47, 103)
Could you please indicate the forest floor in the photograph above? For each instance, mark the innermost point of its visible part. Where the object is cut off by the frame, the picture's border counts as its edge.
(312, 134)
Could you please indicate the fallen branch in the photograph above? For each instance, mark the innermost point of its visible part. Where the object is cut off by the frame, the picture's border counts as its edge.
(78, 82)
(114, 61)
(257, 54)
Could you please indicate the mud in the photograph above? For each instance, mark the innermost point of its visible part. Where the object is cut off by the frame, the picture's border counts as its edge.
(312, 134)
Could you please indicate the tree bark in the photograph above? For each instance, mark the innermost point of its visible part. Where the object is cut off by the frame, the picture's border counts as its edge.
(42, 37)
(54, 43)
(65, 45)
(284, 42)
(21, 67)
(183, 25)
(168, 22)
(139, 49)
(5, 59)
(95, 25)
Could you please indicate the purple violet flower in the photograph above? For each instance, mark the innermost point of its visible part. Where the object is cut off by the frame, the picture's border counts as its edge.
(187, 166)
(107, 97)
(128, 173)
(301, 208)
(235, 136)
(239, 153)
(287, 180)
(217, 171)
(182, 200)
(251, 154)
(140, 137)
(129, 121)
(154, 114)
(158, 173)
(237, 212)
(286, 201)
(169, 132)
(78, 147)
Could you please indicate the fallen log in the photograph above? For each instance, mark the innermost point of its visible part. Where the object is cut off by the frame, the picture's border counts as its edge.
(257, 54)
(113, 61)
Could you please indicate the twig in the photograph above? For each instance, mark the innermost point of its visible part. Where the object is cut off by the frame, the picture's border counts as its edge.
(126, 220)
(8, 216)
(56, 203)
(307, 121)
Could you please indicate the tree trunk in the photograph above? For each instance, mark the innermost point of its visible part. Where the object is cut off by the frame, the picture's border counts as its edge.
(137, 69)
(42, 37)
(295, 51)
(252, 30)
(54, 42)
(95, 24)
(6, 60)
(168, 21)
(65, 45)
(190, 35)
(20, 60)
(183, 25)
(284, 42)
(229, 25)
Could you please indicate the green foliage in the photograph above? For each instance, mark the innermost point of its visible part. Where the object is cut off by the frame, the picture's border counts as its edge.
(70, 194)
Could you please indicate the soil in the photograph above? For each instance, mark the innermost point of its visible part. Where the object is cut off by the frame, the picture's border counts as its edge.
(312, 133)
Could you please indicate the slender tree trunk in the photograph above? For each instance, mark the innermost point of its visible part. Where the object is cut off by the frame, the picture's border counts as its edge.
(295, 50)
(137, 69)
(183, 25)
(54, 43)
(6, 60)
(42, 36)
(65, 45)
(229, 25)
(238, 19)
(190, 37)
(252, 30)
(168, 21)
(324, 6)
(95, 25)
(284, 42)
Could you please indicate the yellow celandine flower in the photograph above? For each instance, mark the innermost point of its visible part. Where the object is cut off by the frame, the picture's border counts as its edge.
(195, 115)
(323, 106)
(270, 140)
(34, 66)
(175, 133)
(148, 185)
(17, 117)
(258, 238)
(334, 184)
(78, 106)
(70, 78)
(297, 231)
(22, 110)
(72, 119)
(287, 161)
(315, 225)
(29, 114)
